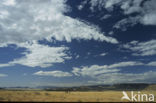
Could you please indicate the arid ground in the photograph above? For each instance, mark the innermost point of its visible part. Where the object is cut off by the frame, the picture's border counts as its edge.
(53, 96)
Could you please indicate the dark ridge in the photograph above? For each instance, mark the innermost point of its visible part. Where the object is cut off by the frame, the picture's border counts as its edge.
(116, 87)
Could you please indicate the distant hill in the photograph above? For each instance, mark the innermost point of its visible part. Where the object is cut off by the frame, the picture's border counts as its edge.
(151, 87)
(1, 88)
(131, 86)
(117, 87)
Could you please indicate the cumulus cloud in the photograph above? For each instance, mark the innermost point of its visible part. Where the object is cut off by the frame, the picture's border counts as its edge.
(53, 73)
(29, 20)
(80, 7)
(129, 6)
(43, 56)
(147, 48)
(40, 55)
(9, 2)
(149, 13)
(145, 11)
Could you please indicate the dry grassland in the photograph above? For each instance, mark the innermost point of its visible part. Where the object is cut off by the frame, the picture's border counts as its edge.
(52, 96)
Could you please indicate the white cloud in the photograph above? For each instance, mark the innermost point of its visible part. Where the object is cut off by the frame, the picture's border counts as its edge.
(125, 23)
(23, 22)
(146, 13)
(3, 75)
(37, 19)
(77, 56)
(105, 17)
(149, 13)
(40, 55)
(3, 14)
(147, 48)
(94, 70)
(111, 74)
(9, 2)
(81, 6)
(43, 56)
(113, 78)
(153, 63)
(131, 6)
(146, 10)
(53, 73)
(103, 54)
(111, 33)
(125, 64)
(108, 4)
(6, 65)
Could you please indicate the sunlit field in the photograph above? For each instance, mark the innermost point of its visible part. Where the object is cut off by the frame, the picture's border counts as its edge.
(53, 96)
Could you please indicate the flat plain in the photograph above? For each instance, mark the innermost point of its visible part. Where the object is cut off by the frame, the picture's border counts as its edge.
(62, 96)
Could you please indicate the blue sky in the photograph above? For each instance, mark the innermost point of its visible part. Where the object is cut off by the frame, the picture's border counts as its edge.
(77, 42)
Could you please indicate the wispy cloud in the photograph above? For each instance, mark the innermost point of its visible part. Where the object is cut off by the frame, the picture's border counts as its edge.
(53, 73)
(6, 64)
(96, 69)
(103, 54)
(77, 56)
(3, 75)
(153, 63)
(147, 48)
(110, 74)
(113, 78)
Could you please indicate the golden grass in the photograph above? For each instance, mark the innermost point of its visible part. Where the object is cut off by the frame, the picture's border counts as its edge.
(53, 96)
